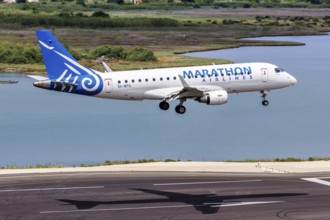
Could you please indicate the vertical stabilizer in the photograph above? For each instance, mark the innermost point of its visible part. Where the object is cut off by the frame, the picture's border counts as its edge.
(54, 54)
(64, 72)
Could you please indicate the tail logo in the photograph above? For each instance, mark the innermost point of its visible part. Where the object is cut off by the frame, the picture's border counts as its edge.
(82, 80)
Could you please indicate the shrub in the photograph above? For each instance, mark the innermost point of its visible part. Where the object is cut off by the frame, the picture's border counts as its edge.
(141, 54)
(100, 14)
(18, 53)
(110, 52)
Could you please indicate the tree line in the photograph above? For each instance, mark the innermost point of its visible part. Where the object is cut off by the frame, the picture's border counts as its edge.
(96, 21)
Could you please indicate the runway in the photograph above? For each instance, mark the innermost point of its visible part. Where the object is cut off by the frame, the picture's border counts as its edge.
(164, 195)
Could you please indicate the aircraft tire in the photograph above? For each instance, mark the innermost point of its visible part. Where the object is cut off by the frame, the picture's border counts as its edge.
(164, 105)
(180, 109)
(265, 102)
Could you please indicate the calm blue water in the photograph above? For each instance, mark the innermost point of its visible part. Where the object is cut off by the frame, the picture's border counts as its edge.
(40, 126)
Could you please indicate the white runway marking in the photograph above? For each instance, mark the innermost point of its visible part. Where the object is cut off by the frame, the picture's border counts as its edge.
(196, 183)
(246, 203)
(47, 189)
(163, 207)
(318, 180)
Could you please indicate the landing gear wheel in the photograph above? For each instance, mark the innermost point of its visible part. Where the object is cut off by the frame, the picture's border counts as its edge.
(164, 105)
(265, 102)
(180, 109)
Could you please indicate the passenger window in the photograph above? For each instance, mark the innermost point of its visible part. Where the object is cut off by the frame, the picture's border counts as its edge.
(161, 79)
(174, 78)
(146, 80)
(119, 82)
(168, 78)
(154, 79)
(126, 81)
(132, 80)
(140, 80)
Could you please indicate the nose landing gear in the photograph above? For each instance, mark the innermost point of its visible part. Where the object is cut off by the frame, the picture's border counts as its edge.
(264, 102)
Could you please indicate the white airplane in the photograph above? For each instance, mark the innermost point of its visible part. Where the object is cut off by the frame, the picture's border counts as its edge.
(206, 84)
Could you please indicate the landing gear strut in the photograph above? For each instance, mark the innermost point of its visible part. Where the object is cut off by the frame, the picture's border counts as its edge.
(164, 105)
(264, 102)
(180, 109)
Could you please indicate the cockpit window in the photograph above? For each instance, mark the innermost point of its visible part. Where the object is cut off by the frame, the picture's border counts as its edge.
(278, 70)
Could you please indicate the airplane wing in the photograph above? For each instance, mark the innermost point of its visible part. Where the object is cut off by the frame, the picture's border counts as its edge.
(185, 92)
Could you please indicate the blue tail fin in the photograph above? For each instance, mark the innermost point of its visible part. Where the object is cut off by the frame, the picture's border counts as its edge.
(64, 72)
(53, 53)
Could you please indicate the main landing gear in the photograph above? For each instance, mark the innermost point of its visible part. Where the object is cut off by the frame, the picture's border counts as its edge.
(264, 102)
(164, 105)
(180, 109)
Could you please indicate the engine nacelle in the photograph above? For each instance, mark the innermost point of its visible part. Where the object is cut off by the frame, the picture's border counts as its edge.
(218, 97)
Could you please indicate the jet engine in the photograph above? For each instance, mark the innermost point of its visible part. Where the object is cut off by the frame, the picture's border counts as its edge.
(218, 97)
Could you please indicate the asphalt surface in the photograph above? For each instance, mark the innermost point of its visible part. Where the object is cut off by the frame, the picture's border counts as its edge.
(136, 195)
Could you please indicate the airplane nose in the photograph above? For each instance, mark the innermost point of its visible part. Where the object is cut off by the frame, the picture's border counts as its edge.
(293, 80)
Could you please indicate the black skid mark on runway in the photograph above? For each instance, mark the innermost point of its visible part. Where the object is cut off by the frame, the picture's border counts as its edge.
(205, 203)
(305, 213)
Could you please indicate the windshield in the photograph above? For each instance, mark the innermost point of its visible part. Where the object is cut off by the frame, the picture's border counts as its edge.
(278, 70)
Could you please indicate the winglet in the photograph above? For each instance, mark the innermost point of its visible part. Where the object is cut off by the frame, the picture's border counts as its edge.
(184, 83)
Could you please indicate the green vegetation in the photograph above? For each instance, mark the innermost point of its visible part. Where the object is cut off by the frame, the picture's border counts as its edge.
(167, 28)
(97, 20)
(37, 166)
(118, 162)
(25, 53)
(8, 82)
(16, 53)
(141, 54)
(115, 52)
(106, 163)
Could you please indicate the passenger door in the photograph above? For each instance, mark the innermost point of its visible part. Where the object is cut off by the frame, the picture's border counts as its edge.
(264, 74)
(108, 85)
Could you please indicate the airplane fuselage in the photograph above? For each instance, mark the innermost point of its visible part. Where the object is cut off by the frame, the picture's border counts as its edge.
(206, 84)
(233, 78)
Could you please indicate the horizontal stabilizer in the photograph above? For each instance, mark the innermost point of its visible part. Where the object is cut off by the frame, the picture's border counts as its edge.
(37, 77)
